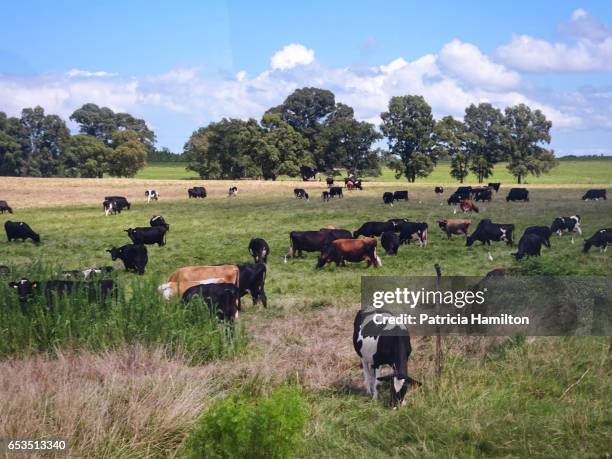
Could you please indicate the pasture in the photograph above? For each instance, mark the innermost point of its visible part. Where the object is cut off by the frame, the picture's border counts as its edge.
(496, 397)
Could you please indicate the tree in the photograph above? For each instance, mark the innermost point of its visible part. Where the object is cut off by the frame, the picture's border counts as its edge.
(285, 150)
(525, 132)
(452, 139)
(13, 146)
(197, 154)
(128, 155)
(485, 123)
(408, 125)
(88, 157)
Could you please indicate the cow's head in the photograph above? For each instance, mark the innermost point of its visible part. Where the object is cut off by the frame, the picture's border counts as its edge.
(442, 224)
(327, 256)
(588, 243)
(35, 237)
(399, 386)
(469, 241)
(25, 288)
(115, 253)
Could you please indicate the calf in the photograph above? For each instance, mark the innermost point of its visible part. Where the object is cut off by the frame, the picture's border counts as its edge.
(196, 192)
(530, 245)
(390, 242)
(388, 198)
(95, 291)
(595, 194)
(120, 202)
(233, 191)
(313, 241)
(483, 194)
(400, 195)
(325, 196)
(20, 230)
(518, 194)
(601, 239)
(259, 250)
(151, 195)
(4, 207)
(487, 231)
(224, 298)
(495, 186)
(414, 231)
(252, 280)
(133, 256)
(376, 350)
(335, 191)
(148, 235)
(300, 193)
(184, 278)
(158, 220)
(371, 229)
(562, 225)
(467, 205)
(543, 232)
(329, 181)
(439, 190)
(455, 226)
(354, 250)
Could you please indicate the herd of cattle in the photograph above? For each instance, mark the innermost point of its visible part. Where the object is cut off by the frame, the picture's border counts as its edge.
(223, 286)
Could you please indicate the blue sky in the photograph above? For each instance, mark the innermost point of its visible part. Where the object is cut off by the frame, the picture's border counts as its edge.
(181, 65)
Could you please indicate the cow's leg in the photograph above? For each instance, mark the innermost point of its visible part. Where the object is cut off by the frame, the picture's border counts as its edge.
(366, 377)
(374, 381)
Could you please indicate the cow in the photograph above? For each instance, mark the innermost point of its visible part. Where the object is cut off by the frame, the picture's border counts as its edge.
(562, 225)
(388, 198)
(455, 226)
(259, 250)
(414, 231)
(495, 186)
(397, 223)
(340, 251)
(225, 298)
(529, 245)
(20, 230)
(335, 191)
(329, 181)
(110, 207)
(400, 195)
(133, 256)
(148, 235)
(483, 194)
(300, 193)
(439, 190)
(307, 173)
(151, 195)
(487, 231)
(325, 196)
(518, 194)
(464, 192)
(232, 191)
(595, 194)
(371, 229)
(95, 291)
(350, 186)
(197, 192)
(454, 199)
(184, 278)
(253, 280)
(158, 220)
(467, 205)
(313, 241)
(358, 184)
(120, 202)
(601, 239)
(543, 232)
(390, 242)
(4, 207)
(376, 350)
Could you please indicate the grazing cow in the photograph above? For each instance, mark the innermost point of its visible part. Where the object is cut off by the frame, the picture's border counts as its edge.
(232, 191)
(20, 230)
(148, 235)
(562, 225)
(390, 242)
(529, 245)
(133, 256)
(350, 186)
(543, 232)
(487, 231)
(518, 194)
(464, 192)
(439, 190)
(340, 251)
(376, 350)
(110, 207)
(151, 195)
(313, 241)
(335, 191)
(483, 194)
(225, 298)
(184, 278)
(158, 220)
(300, 193)
(467, 205)
(601, 239)
(4, 207)
(329, 181)
(371, 229)
(455, 226)
(253, 280)
(307, 173)
(388, 198)
(196, 192)
(495, 186)
(120, 202)
(595, 194)
(414, 231)
(259, 250)
(359, 184)
(400, 195)
(325, 196)
(453, 199)
(95, 291)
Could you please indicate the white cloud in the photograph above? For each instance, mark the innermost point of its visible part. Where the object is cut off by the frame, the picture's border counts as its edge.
(86, 74)
(240, 76)
(578, 14)
(291, 56)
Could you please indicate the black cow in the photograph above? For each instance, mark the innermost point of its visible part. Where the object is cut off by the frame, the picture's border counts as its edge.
(484, 194)
(4, 207)
(439, 190)
(543, 232)
(601, 239)
(225, 298)
(325, 196)
(335, 191)
(495, 186)
(196, 192)
(300, 193)
(314, 241)
(529, 245)
(121, 202)
(400, 195)
(454, 199)
(307, 173)
(371, 229)
(518, 194)
(376, 350)
(562, 225)
(148, 235)
(253, 280)
(232, 191)
(595, 194)
(487, 231)
(329, 181)
(390, 242)
(158, 220)
(133, 256)
(413, 231)
(20, 230)
(464, 192)
(259, 250)
(95, 291)
(388, 198)
(397, 223)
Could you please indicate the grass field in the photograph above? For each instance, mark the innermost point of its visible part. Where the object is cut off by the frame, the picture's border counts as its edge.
(496, 398)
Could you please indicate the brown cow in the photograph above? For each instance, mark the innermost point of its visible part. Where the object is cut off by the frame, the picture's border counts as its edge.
(350, 185)
(467, 205)
(184, 278)
(354, 250)
(455, 226)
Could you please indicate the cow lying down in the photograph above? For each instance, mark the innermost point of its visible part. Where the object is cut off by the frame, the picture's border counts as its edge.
(184, 278)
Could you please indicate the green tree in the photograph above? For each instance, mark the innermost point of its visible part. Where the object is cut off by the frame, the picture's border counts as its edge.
(452, 139)
(13, 146)
(88, 157)
(285, 149)
(408, 126)
(525, 133)
(485, 123)
(200, 159)
(128, 155)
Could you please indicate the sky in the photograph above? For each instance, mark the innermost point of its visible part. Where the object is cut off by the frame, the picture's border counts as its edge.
(181, 65)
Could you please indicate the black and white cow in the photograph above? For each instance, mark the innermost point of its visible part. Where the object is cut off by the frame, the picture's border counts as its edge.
(487, 231)
(151, 195)
(543, 232)
(376, 351)
(259, 250)
(439, 190)
(4, 207)
(495, 186)
(562, 225)
(96, 291)
(601, 239)
(253, 280)
(300, 193)
(20, 230)
(388, 198)
(390, 242)
(372, 229)
(158, 220)
(224, 298)
(335, 191)
(232, 191)
(133, 256)
(518, 194)
(148, 235)
(414, 231)
(121, 202)
(595, 194)
(325, 196)
(110, 207)
(530, 245)
(400, 195)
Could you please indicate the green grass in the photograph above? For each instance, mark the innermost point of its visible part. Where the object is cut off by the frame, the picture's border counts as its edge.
(166, 171)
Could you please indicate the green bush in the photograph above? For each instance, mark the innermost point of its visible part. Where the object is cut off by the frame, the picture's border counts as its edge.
(245, 426)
